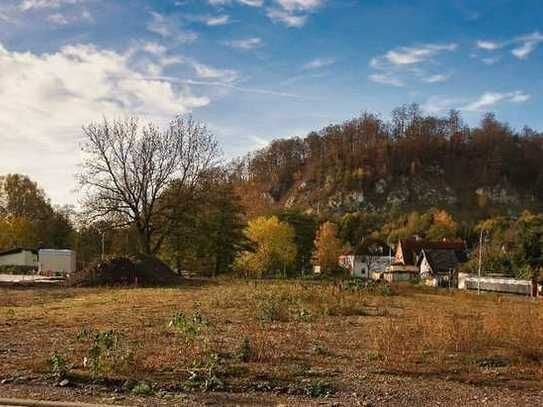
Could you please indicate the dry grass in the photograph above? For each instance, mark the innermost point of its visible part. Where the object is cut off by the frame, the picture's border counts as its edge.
(242, 333)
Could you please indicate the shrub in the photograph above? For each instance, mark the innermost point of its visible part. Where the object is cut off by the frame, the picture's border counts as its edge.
(142, 389)
(318, 389)
(273, 307)
(245, 352)
(206, 373)
(58, 365)
(190, 326)
(107, 353)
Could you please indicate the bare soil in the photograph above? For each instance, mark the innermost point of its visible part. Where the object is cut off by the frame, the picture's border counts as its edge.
(272, 343)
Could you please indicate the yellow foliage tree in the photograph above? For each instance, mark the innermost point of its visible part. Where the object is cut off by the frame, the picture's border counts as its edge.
(443, 226)
(275, 249)
(327, 248)
(16, 231)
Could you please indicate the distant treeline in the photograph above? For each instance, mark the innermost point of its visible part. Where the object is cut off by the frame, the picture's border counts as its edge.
(357, 154)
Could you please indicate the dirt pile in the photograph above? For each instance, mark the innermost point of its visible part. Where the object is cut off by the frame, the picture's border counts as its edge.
(128, 271)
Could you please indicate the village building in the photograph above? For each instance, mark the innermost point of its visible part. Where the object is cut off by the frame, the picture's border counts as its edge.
(57, 262)
(363, 265)
(370, 258)
(435, 262)
(438, 267)
(47, 262)
(19, 257)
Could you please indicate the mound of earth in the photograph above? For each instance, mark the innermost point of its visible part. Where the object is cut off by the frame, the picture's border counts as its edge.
(141, 271)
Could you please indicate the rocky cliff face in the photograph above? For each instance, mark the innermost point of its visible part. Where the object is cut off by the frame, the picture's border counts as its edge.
(406, 193)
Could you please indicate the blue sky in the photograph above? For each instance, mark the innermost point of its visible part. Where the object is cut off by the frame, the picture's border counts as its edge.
(254, 70)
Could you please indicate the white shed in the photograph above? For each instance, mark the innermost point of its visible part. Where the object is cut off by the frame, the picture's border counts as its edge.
(54, 262)
(19, 257)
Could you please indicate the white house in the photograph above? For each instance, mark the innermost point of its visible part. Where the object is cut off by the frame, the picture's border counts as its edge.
(54, 262)
(19, 257)
(438, 266)
(363, 265)
(368, 259)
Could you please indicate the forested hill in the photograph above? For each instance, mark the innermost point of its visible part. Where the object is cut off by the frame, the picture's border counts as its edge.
(413, 162)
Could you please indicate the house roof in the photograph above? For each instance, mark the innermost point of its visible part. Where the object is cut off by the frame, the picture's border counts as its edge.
(17, 250)
(411, 248)
(440, 260)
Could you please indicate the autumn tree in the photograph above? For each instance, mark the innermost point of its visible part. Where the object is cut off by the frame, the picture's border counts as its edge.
(328, 248)
(274, 248)
(443, 226)
(27, 217)
(128, 166)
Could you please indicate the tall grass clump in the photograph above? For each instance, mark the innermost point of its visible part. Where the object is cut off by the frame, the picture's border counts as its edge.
(513, 330)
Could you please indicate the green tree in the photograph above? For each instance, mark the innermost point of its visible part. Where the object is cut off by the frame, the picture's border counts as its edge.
(207, 226)
(305, 228)
(527, 254)
(357, 227)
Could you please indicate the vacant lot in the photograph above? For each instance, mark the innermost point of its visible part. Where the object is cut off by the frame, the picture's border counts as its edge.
(257, 343)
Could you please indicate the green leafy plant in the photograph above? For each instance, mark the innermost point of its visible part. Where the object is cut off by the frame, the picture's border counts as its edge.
(303, 315)
(245, 352)
(142, 389)
(318, 388)
(106, 352)
(190, 326)
(206, 373)
(58, 364)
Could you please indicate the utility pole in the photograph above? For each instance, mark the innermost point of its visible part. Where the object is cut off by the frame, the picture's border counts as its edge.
(480, 263)
(103, 245)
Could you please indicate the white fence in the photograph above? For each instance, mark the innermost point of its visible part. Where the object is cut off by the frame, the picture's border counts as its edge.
(497, 284)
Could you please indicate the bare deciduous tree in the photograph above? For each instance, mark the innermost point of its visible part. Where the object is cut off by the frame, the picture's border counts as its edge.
(127, 167)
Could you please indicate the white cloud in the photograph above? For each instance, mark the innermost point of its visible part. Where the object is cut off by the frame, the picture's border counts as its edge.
(412, 55)
(488, 45)
(245, 44)
(442, 103)
(287, 18)
(251, 3)
(57, 19)
(168, 27)
(398, 65)
(319, 63)
(439, 104)
(209, 20)
(218, 20)
(293, 13)
(208, 72)
(528, 44)
(69, 18)
(490, 60)
(521, 46)
(386, 80)
(490, 99)
(436, 78)
(43, 4)
(46, 98)
(154, 48)
(300, 5)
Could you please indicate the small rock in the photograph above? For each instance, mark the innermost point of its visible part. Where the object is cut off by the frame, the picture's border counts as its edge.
(64, 383)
